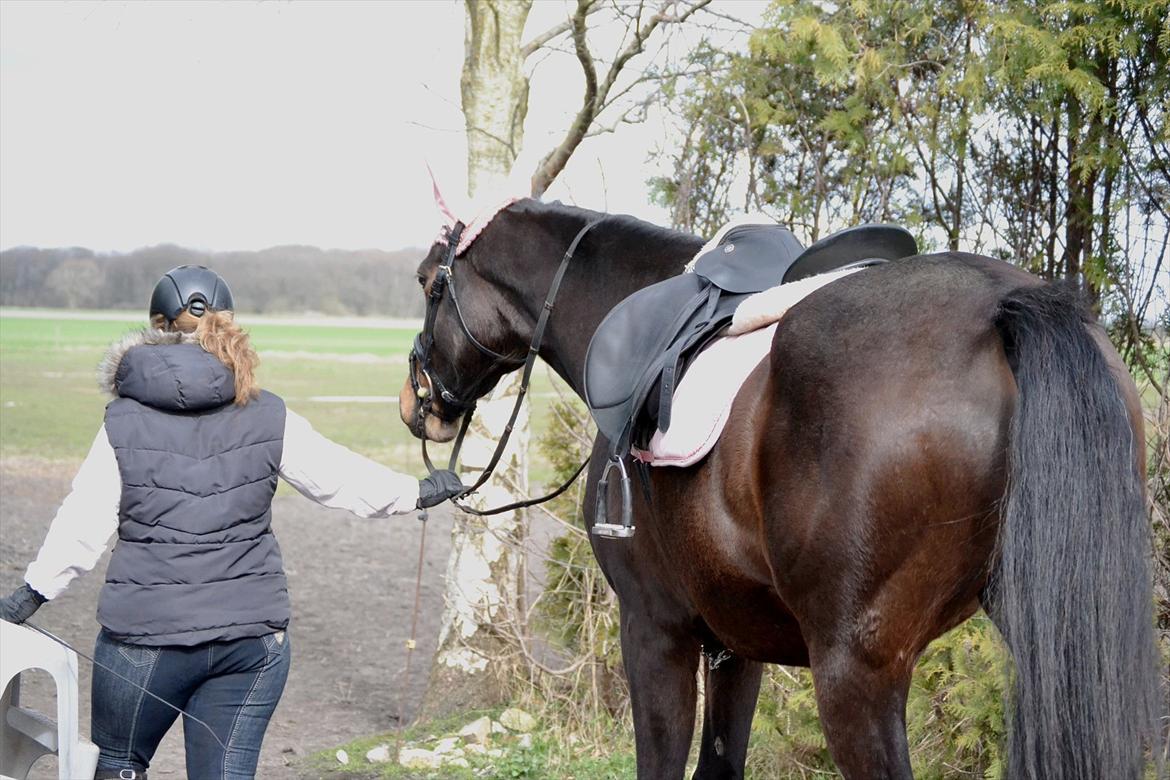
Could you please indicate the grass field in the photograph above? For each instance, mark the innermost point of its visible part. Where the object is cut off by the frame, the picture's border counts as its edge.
(50, 405)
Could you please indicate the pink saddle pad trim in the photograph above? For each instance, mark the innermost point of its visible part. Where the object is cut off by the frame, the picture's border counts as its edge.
(703, 400)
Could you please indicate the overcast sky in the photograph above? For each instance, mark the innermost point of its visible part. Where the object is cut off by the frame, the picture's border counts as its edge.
(246, 125)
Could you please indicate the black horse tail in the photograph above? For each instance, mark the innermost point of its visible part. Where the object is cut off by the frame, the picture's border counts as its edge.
(1071, 588)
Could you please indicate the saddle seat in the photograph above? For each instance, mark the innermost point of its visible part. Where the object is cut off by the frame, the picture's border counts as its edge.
(640, 349)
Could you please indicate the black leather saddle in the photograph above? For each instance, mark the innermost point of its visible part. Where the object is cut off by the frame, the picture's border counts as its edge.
(637, 354)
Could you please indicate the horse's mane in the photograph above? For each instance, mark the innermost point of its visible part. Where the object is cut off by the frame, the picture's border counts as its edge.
(619, 226)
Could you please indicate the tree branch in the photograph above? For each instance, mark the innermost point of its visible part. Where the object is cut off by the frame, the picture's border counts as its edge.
(740, 24)
(595, 96)
(634, 114)
(555, 161)
(534, 45)
(660, 76)
(635, 47)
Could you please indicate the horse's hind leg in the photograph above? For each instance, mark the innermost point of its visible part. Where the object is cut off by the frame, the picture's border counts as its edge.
(660, 667)
(731, 689)
(863, 714)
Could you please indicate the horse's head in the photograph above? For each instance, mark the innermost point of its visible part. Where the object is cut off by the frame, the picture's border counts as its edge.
(470, 338)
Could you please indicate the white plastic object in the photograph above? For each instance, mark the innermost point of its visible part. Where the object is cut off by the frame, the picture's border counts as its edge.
(26, 735)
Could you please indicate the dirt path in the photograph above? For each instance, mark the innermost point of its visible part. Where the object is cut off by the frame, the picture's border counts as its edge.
(352, 588)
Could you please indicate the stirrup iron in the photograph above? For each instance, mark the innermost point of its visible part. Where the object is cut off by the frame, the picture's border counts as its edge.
(601, 524)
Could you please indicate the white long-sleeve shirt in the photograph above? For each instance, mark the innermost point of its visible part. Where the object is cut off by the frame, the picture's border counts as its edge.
(321, 469)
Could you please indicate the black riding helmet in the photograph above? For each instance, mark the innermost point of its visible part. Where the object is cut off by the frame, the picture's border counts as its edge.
(191, 287)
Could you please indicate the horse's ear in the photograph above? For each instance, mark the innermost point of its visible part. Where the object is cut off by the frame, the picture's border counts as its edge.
(440, 201)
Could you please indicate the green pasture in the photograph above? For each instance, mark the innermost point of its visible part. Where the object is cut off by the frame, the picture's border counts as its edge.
(50, 404)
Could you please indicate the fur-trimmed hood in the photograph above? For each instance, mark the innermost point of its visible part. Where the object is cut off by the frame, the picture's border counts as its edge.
(167, 370)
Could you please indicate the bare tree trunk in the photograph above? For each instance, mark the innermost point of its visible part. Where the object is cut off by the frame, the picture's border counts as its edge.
(482, 584)
(494, 88)
(486, 565)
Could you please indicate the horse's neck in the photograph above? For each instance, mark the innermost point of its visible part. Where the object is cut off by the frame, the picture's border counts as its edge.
(616, 263)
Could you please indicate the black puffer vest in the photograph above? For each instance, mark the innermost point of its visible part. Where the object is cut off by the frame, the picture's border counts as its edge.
(195, 559)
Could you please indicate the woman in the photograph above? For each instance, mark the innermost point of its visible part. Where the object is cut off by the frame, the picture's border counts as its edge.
(195, 604)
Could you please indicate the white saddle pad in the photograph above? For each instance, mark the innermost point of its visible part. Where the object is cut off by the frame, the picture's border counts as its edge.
(702, 401)
(769, 306)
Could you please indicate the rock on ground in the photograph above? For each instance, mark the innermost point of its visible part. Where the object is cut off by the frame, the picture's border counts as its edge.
(517, 720)
(478, 730)
(418, 758)
(378, 755)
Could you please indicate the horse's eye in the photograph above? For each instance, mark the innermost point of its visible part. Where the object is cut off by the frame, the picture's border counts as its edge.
(422, 281)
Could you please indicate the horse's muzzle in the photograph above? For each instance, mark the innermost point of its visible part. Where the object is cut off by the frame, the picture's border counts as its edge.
(423, 425)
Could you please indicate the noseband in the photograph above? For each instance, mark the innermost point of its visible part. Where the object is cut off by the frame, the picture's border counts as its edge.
(420, 364)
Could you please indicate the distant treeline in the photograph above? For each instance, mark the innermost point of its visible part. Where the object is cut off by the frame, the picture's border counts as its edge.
(284, 279)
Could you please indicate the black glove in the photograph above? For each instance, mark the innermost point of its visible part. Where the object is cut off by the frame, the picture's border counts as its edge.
(20, 605)
(438, 487)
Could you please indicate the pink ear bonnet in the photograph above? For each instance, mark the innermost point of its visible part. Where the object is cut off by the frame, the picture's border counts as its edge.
(474, 223)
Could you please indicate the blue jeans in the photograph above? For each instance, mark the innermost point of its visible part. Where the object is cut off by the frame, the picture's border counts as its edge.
(232, 686)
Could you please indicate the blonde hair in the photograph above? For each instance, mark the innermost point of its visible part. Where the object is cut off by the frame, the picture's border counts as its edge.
(219, 334)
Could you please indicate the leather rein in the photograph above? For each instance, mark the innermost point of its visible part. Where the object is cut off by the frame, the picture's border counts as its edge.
(420, 363)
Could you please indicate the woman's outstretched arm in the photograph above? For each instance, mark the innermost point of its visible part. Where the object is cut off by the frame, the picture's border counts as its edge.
(336, 477)
(85, 521)
(79, 533)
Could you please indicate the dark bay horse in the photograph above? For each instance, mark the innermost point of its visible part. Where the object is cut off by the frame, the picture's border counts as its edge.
(928, 436)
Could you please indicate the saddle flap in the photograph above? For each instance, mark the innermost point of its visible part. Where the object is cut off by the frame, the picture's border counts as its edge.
(649, 334)
(749, 258)
(852, 245)
(633, 335)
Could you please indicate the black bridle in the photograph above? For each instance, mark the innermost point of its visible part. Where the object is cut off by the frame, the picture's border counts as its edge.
(420, 353)
(420, 363)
